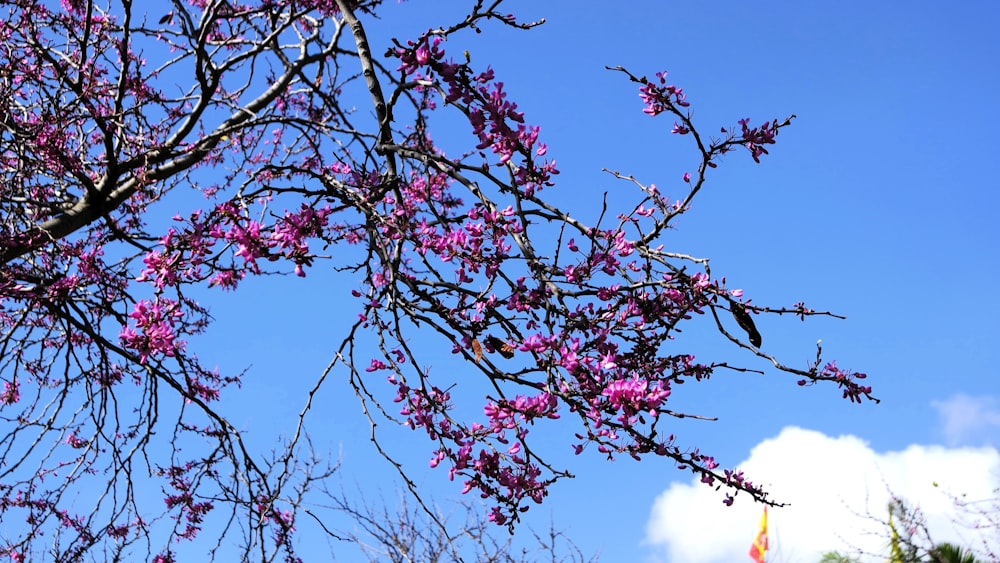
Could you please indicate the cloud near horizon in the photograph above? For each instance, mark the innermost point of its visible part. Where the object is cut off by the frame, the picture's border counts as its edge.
(835, 486)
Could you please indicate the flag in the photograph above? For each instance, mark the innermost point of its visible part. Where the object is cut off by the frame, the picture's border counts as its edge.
(760, 542)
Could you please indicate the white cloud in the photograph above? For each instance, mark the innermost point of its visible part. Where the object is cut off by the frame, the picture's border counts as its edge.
(831, 484)
(968, 419)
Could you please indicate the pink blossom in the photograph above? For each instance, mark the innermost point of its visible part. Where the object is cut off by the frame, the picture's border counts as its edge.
(11, 392)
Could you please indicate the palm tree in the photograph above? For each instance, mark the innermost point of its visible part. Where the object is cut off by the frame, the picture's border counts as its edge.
(837, 557)
(951, 553)
(902, 548)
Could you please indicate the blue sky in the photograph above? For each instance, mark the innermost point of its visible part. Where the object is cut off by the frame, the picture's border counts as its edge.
(878, 203)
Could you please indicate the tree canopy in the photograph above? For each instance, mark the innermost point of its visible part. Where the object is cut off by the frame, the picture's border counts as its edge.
(310, 147)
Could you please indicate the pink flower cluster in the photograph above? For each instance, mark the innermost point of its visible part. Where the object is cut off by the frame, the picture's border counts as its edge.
(153, 332)
(187, 254)
(846, 380)
(754, 139)
(662, 97)
(494, 119)
(510, 474)
(192, 511)
(11, 393)
(635, 395)
(282, 522)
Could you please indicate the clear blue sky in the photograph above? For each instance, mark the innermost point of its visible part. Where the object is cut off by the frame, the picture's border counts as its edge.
(879, 203)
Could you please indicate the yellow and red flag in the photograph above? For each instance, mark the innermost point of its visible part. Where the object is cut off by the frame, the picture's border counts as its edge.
(760, 541)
